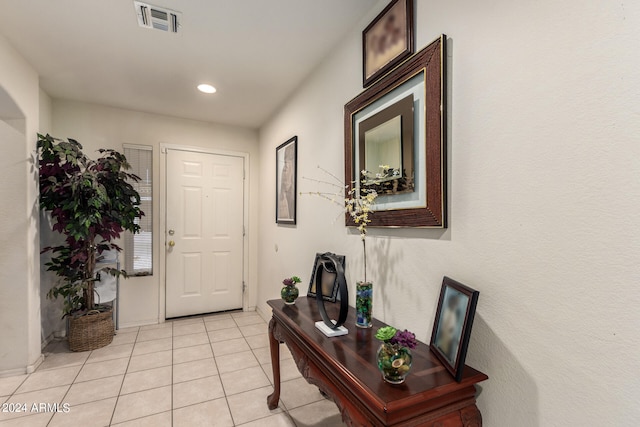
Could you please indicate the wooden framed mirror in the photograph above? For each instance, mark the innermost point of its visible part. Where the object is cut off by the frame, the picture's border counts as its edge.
(395, 142)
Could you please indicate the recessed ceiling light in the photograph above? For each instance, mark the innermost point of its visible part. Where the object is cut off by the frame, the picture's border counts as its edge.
(206, 88)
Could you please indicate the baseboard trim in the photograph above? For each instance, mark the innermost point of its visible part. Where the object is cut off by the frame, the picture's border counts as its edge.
(262, 314)
(140, 323)
(34, 366)
(29, 369)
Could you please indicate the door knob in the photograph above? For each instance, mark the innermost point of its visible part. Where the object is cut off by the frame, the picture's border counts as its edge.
(172, 243)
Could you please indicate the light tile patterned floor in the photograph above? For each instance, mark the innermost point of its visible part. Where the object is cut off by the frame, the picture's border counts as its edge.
(204, 371)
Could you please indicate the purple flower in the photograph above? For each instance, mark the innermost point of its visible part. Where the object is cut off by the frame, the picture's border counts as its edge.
(404, 339)
(287, 282)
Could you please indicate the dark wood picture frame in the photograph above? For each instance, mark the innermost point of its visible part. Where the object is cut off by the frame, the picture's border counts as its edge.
(429, 64)
(331, 288)
(286, 181)
(452, 325)
(387, 40)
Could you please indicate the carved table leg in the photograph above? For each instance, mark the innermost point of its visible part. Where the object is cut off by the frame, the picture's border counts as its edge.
(274, 344)
(471, 416)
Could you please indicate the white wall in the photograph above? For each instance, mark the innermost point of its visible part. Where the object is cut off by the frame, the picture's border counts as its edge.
(104, 127)
(543, 174)
(19, 277)
(52, 324)
(45, 104)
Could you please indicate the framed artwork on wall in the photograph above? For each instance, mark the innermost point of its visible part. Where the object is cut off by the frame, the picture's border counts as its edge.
(387, 40)
(286, 181)
(397, 127)
(452, 326)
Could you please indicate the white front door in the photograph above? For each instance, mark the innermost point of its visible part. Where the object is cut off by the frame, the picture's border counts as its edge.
(204, 240)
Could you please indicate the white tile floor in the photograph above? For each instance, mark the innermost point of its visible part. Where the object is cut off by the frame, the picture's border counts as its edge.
(204, 371)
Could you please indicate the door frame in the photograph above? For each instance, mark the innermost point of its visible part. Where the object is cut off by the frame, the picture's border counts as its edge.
(164, 148)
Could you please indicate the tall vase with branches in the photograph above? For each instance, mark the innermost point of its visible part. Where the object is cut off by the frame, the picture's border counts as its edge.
(358, 205)
(357, 202)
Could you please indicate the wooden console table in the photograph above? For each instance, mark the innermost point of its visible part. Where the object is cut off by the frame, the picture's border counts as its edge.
(345, 369)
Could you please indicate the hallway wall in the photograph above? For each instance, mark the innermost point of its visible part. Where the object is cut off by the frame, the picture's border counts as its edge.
(19, 261)
(543, 174)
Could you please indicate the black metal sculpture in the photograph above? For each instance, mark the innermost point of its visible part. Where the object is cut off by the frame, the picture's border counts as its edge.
(330, 264)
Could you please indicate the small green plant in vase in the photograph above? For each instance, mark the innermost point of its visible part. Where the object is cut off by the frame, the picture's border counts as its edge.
(394, 354)
(289, 291)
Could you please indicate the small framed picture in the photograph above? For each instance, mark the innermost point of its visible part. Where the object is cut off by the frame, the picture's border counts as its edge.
(286, 181)
(387, 41)
(452, 327)
(329, 286)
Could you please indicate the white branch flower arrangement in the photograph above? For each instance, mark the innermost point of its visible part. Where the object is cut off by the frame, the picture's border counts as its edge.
(357, 203)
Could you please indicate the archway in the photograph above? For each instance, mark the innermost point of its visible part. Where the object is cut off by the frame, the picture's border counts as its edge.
(19, 302)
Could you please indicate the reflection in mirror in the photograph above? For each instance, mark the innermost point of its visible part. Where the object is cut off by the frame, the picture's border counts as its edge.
(386, 149)
(383, 146)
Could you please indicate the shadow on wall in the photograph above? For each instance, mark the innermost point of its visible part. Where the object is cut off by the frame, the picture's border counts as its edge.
(490, 355)
(50, 310)
(386, 267)
(392, 292)
(383, 263)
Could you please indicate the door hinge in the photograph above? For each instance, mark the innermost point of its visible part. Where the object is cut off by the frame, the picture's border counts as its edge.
(244, 231)
(244, 287)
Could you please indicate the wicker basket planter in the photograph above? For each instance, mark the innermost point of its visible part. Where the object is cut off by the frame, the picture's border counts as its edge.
(91, 331)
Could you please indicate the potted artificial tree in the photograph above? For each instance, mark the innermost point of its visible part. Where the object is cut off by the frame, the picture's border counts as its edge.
(91, 203)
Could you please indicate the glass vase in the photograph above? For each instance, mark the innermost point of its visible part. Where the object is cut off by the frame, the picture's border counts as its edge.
(394, 362)
(364, 302)
(289, 294)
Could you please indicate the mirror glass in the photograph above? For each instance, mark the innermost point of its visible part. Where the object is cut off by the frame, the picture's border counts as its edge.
(386, 149)
(383, 146)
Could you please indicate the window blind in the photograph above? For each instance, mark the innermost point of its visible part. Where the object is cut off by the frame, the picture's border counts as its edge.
(138, 256)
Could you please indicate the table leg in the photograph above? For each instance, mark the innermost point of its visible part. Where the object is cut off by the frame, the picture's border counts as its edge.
(274, 345)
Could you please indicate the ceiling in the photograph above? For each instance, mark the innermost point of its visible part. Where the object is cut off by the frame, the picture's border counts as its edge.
(255, 52)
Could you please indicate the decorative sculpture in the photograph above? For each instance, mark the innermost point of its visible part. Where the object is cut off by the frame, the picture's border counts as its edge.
(330, 264)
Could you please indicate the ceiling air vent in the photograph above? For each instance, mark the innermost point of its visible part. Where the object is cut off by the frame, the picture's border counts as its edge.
(160, 18)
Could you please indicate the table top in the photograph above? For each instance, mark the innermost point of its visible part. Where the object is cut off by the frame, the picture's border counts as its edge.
(353, 357)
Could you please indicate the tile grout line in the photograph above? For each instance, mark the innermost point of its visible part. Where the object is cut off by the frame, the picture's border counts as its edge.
(18, 387)
(202, 321)
(152, 388)
(113, 413)
(280, 404)
(62, 385)
(215, 361)
(142, 417)
(72, 383)
(171, 400)
(32, 391)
